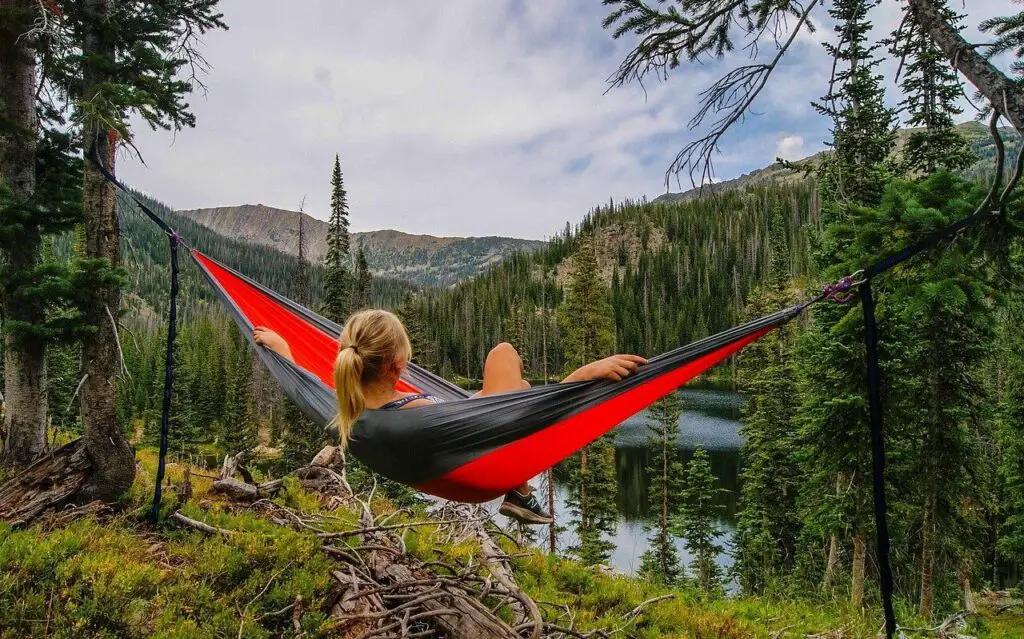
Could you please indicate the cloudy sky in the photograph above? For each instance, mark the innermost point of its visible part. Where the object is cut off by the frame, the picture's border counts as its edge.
(455, 117)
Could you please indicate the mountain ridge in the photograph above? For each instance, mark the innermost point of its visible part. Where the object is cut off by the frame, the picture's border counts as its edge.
(976, 133)
(424, 259)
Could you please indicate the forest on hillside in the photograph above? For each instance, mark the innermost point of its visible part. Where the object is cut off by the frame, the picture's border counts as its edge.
(882, 472)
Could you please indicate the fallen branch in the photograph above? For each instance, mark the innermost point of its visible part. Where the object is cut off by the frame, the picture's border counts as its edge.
(635, 612)
(376, 529)
(200, 526)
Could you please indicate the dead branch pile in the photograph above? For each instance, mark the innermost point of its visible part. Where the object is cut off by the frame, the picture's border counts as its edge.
(381, 591)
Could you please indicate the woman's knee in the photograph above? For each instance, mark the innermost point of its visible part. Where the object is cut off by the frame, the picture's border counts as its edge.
(504, 351)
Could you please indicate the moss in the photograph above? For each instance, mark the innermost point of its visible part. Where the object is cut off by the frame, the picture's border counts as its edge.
(124, 579)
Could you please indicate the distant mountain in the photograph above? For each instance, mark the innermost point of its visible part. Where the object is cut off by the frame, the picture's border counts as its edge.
(975, 132)
(423, 259)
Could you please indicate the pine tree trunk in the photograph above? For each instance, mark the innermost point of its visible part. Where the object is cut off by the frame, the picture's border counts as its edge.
(664, 500)
(24, 364)
(928, 558)
(859, 565)
(552, 527)
(832, 565)
(112, 459)
(970, 606)
(1000, 90)
(584, 523)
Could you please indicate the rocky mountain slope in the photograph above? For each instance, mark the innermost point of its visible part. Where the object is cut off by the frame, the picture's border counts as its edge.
(423, 259)
(975, 132)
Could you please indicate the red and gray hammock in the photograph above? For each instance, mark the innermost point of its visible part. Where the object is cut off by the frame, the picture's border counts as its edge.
(478, 448)
(466, 448)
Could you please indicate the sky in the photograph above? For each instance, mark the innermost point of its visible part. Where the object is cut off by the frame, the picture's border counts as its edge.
(458, 117)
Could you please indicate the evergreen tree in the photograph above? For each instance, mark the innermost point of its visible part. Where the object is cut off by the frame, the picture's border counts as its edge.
(769, 523)
(424, 352)
(863, 131)
(697, 523)
(834, 415)
(337, 259)
(112, 61)
(1011, 442)
(301, 275)
(361, 279)
(931, 100)
(665, 469)
(238, 421)
(586, 323)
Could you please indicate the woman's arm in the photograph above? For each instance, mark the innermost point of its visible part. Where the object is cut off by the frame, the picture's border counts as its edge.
(268, 338)
(616, 367)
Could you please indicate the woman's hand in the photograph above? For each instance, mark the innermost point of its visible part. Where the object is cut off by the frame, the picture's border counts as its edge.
(269, 339)
(616, 367)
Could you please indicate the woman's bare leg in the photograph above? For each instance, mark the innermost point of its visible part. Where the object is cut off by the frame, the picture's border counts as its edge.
(503, 373)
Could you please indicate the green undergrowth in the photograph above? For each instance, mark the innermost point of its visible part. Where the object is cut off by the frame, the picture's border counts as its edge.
(122, 578)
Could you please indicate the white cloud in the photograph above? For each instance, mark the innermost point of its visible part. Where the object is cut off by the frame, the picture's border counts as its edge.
(453, 117)
(791, 147)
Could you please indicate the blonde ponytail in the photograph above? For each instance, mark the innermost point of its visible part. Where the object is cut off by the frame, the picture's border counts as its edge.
(371, 342)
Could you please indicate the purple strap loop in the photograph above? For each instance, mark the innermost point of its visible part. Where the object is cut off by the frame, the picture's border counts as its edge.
(840, 291)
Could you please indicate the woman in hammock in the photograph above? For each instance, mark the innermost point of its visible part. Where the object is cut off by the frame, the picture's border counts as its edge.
(374, 351)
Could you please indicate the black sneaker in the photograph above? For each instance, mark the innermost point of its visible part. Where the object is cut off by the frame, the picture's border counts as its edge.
(524, 508)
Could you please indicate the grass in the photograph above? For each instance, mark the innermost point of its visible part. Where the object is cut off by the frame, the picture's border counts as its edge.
(122, 578)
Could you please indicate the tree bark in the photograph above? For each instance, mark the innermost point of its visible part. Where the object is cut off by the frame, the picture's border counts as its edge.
(970, 606)
(24, 363)
(664, 501)
(859, 564)
(113, 460)
(832, 565)
(1001, 91)
(927, 602)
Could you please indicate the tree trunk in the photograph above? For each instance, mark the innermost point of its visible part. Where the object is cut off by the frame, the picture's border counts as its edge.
(113, 461)
(1004, 94)
(552, 527)
(970, 606)
(832, 565)
(584, 524)
(664, 501)
(928, 558)
(859, 564)
(24, 363)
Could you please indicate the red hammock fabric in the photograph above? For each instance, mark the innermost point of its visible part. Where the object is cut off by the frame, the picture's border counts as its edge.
(313, 349)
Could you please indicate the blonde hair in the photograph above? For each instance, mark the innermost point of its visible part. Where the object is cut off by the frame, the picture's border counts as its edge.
(371, 342)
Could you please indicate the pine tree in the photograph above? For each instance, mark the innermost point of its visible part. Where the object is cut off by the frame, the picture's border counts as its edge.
(769, 523)
(338, 258)
(585, 318)
(113, 61)
(301, 275)
(238, 421)
(424, 352)
(697, 523)
(360, 298)
(1011, 441)
(863, 131)
(932, 93)
(514, 330)
(855, 174)
(665, 471)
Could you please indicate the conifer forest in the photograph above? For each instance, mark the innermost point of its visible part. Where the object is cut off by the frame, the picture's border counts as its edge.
(156, 480)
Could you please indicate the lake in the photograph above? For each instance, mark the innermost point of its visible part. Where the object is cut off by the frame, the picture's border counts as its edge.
(711, 419)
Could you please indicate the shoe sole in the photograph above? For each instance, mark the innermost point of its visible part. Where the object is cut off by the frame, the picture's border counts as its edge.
(522, 514)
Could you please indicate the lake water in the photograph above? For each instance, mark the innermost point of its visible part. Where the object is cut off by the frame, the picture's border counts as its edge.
(711, 419)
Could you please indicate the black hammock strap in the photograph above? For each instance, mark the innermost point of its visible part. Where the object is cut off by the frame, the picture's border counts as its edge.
(839, 292)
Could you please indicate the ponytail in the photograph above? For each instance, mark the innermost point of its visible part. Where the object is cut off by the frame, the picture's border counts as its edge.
(348, 373)
(371, 342)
